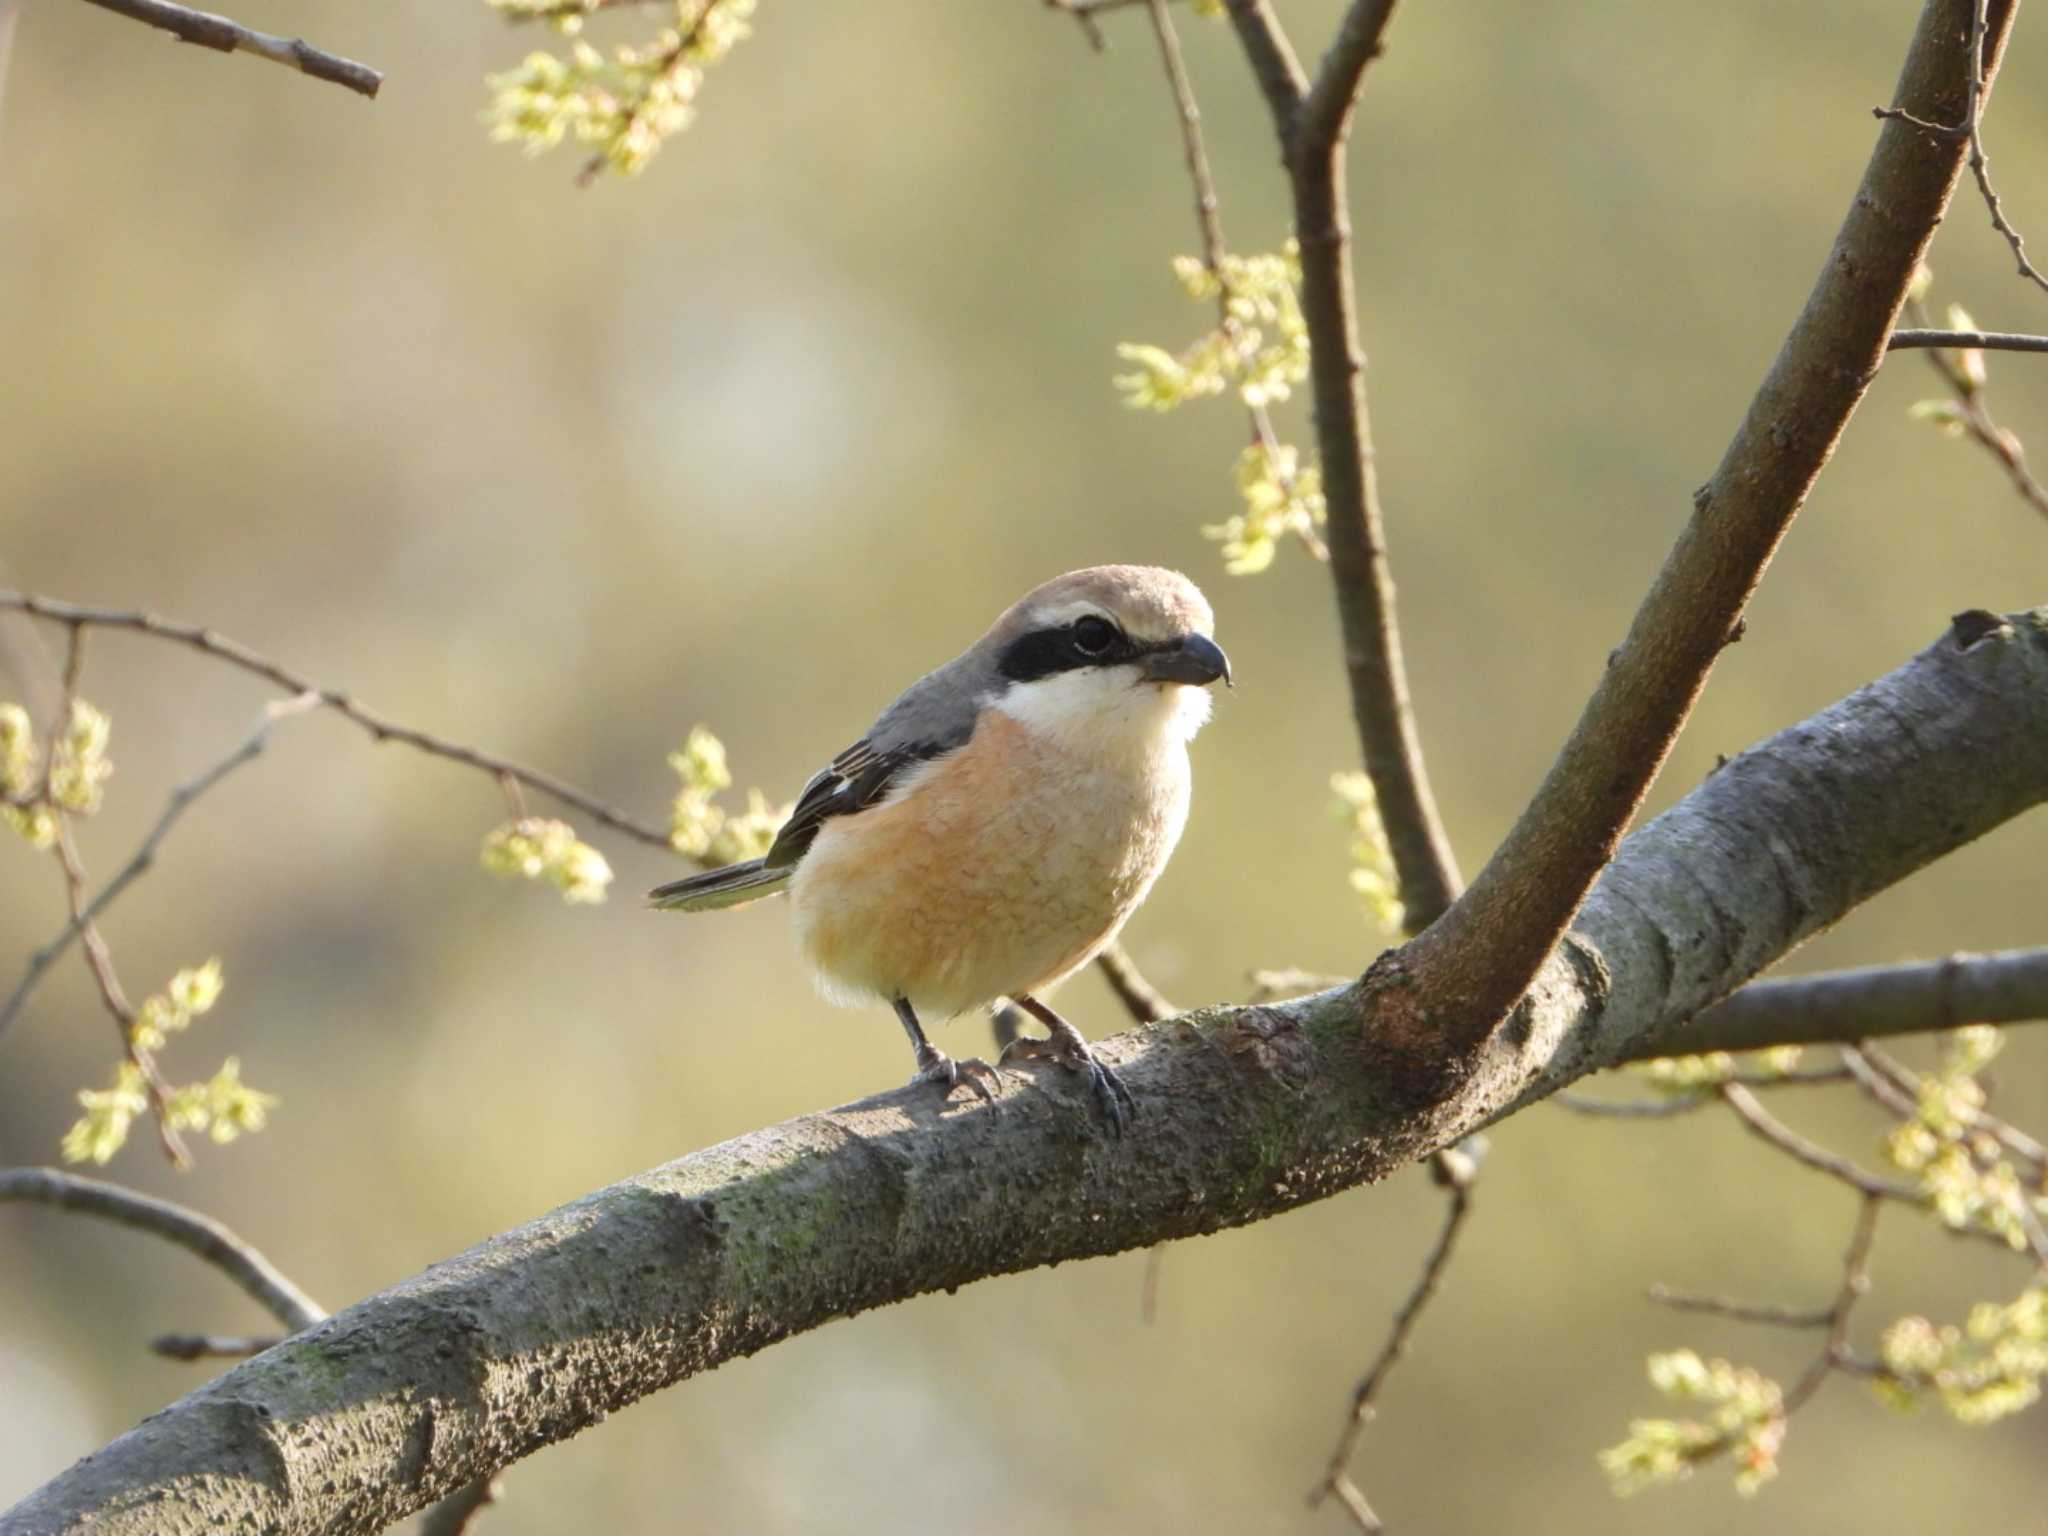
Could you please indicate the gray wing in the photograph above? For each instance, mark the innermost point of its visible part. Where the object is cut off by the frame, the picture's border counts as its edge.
(934, 716)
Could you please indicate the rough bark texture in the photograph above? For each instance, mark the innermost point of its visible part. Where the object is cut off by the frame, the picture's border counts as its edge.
(1247, 1112)
(1474, 963)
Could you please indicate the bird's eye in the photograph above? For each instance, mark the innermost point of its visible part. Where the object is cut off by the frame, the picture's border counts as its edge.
(1093, 636)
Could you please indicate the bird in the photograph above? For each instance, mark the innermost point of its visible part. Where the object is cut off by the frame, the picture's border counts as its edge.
(998, 824)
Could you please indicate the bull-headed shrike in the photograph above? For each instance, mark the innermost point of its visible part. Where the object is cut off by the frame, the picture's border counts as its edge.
(999, 823)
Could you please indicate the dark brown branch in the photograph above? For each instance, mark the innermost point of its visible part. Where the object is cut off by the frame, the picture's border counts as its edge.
(1473, 965)
(1310, 122)
(1841, 1007)
(1326, 111)
(380, 729)
(1337, 1481)
(1143, 1001)
(195, 1233)
(1974, 341)
(1279, 73)
(144, 856)
(226, 36)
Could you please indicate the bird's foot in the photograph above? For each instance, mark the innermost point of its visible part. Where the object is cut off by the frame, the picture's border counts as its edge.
(935, 1066)
(1071, 1051)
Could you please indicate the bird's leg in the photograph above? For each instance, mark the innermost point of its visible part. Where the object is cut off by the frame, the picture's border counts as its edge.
(935, 1066)
(1066, 1047)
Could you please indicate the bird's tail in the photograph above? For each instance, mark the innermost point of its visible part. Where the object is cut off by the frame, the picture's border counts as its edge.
(732, 886)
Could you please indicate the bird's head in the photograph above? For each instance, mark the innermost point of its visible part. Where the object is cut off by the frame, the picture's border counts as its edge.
(1113, 647)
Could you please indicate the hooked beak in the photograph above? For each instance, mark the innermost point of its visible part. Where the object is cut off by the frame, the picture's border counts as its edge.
(1196, 660)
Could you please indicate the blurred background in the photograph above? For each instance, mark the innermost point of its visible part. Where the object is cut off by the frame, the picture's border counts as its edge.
(757, 438)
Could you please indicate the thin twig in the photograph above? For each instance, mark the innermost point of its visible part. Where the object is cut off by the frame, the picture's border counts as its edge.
(226, 36)
(1145, 1003)
(1337, 1478)
(1971, 129)
(195, 1233)
(1742, 1311)
(379, 728)
(210, 1346)
(2015, 1141)
(1290, 981)
(1697, 1098)
(1148, 1289)
(1855, 1282)
(454, 1514)
(1812, 1153)
(671, 59)
(1973, 416)
(1209, 219)
(99, 958)
(182, 798)
(1970, 341)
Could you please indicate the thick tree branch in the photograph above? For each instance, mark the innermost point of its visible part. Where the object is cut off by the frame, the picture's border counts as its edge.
(1842, 1007)
(1249, 1112)
(1454, 983)
(218, 32)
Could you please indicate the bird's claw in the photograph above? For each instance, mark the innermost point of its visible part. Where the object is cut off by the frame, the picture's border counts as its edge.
(1118, 1107)
(982, 1079)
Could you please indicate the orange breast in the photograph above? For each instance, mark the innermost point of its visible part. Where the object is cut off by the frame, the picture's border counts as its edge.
(1000, 870)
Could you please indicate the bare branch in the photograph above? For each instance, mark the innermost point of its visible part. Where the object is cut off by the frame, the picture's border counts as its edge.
(195, 1233)
(144, 856)
(1855, 1282)
(218, 32)
(1841, 1007)
(1974, 341)
(1474, 964)
(1812, 1153)
(1685, 1103)
(210, 1346)
(1326, 113)
(1279, 73)
(1143, 1001)
(1337, 1477)
(1742, 1311)
(1313, 147)
(220, 646)
(1972, 413)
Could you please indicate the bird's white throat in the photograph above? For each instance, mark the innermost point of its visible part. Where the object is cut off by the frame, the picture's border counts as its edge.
(1107, 711)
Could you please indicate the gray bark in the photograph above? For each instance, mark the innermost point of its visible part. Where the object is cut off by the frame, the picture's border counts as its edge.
(1246, 1113)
